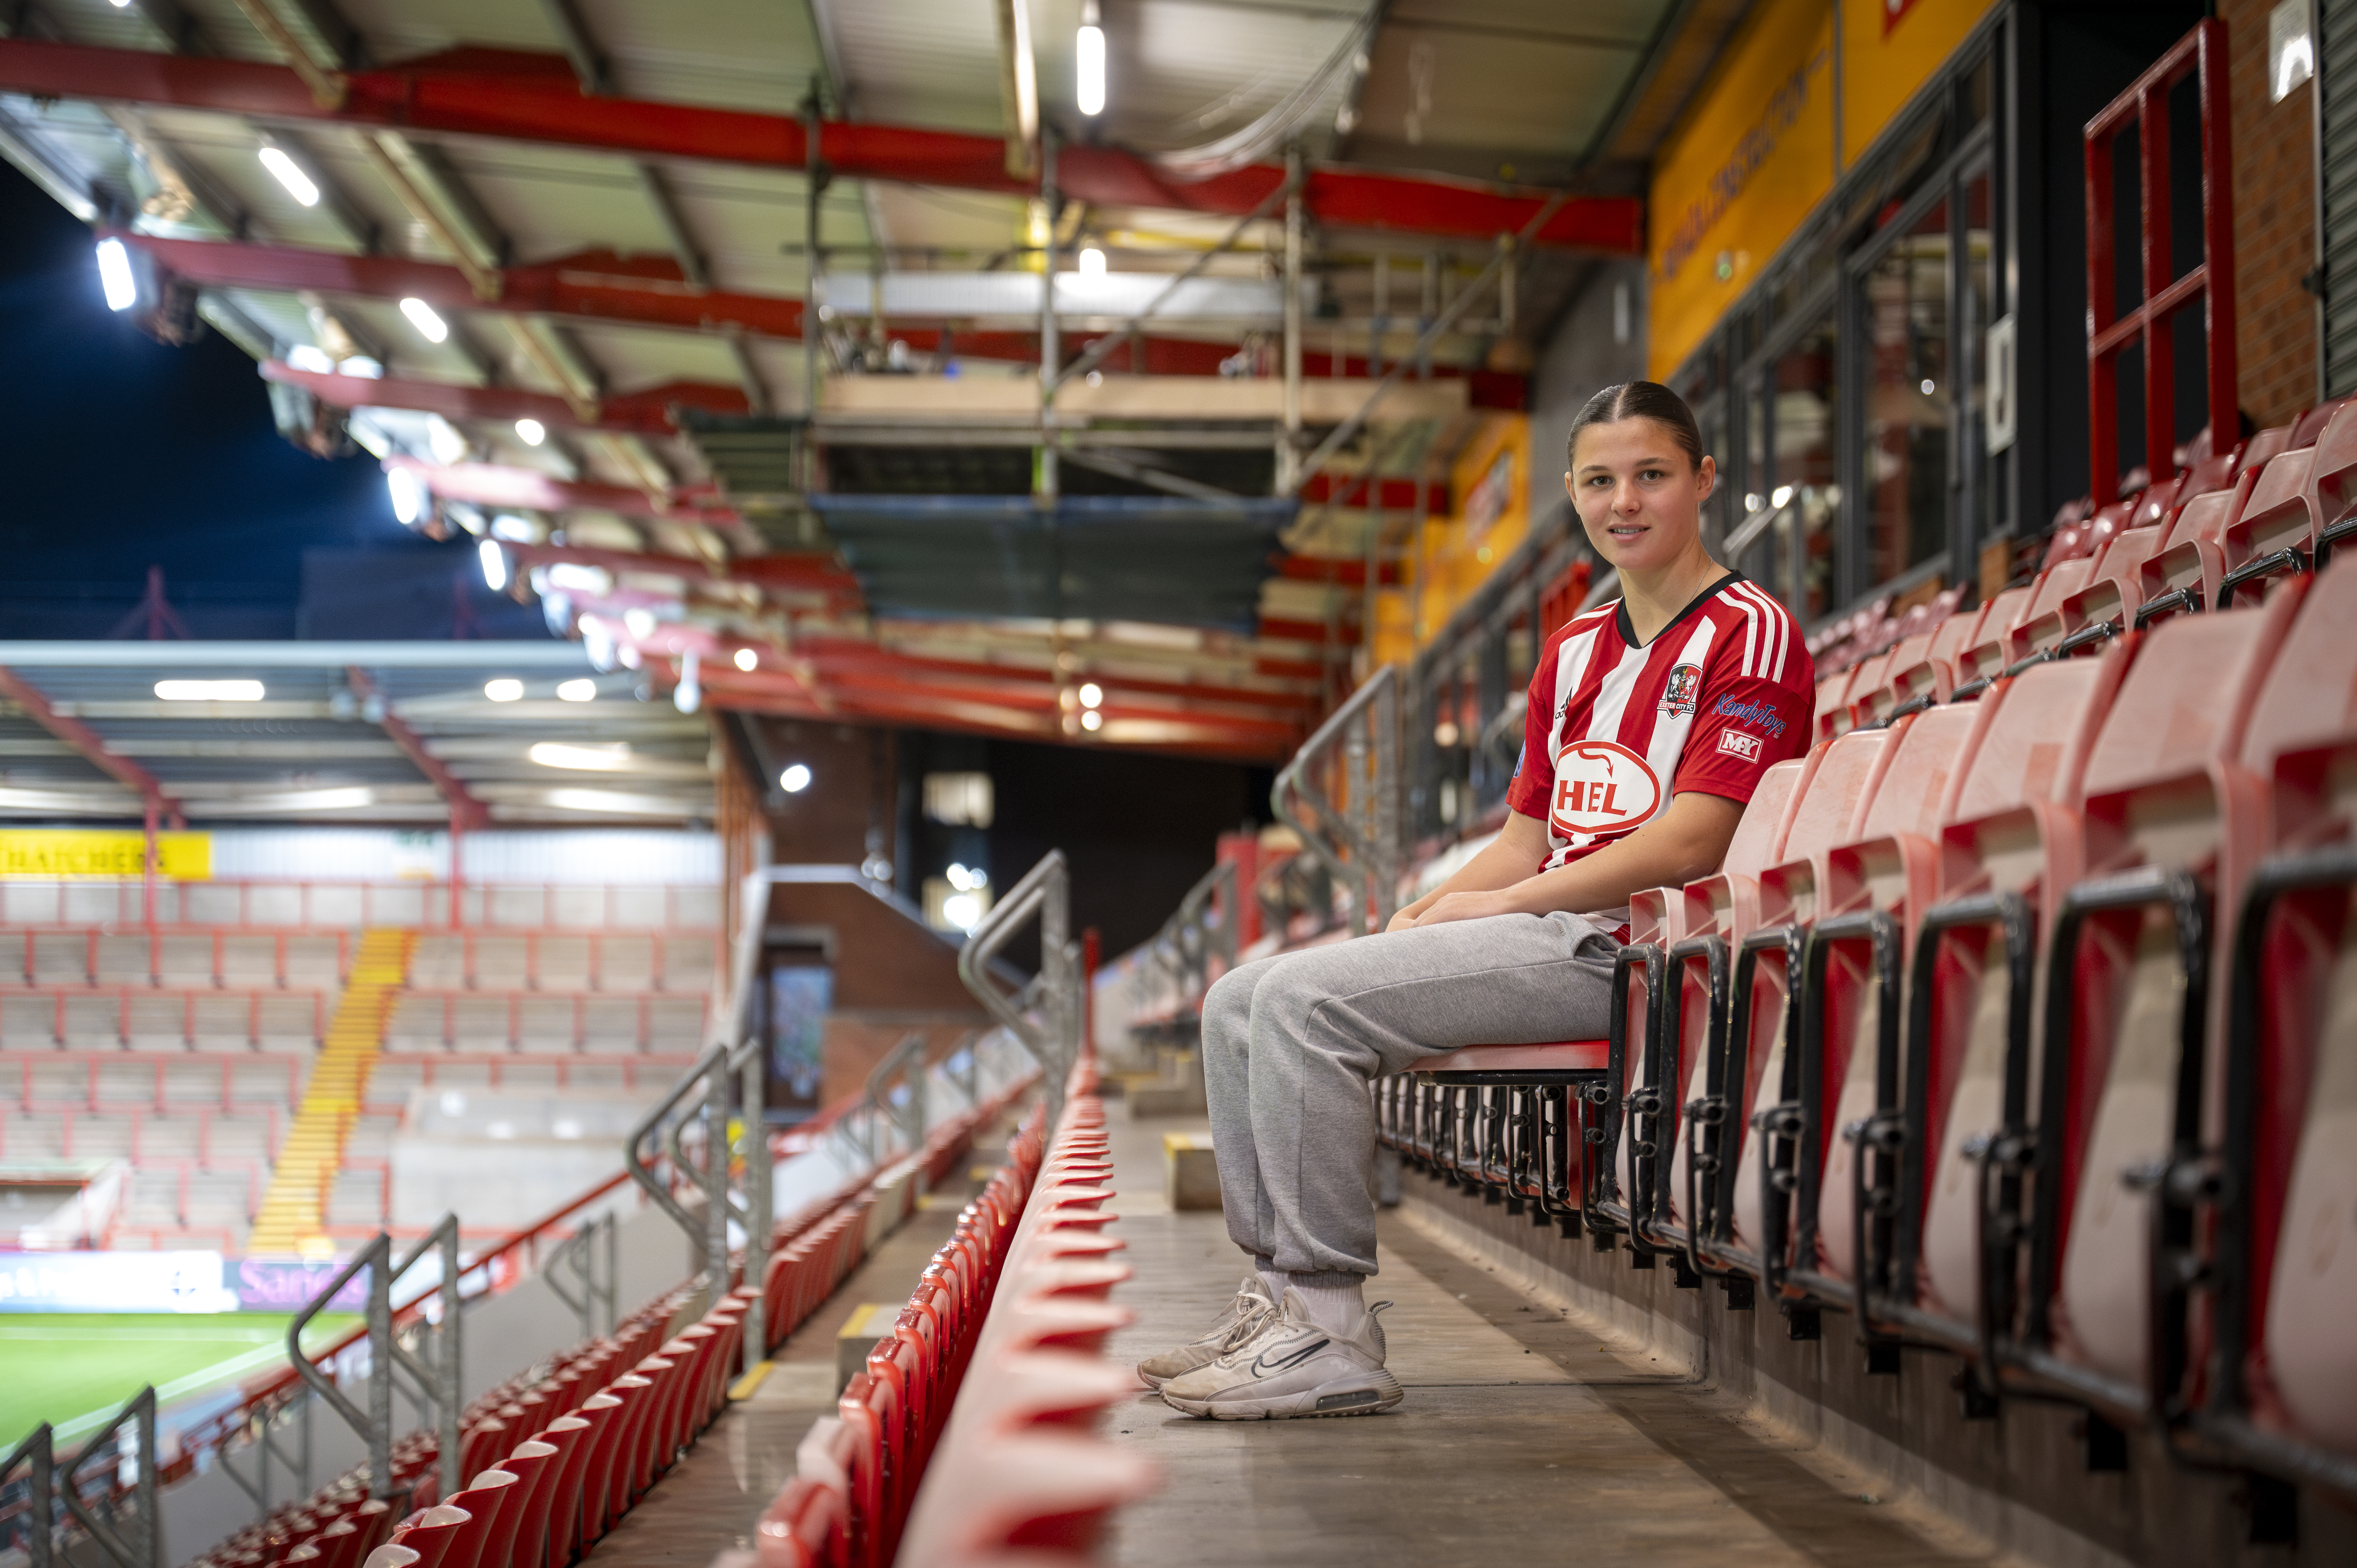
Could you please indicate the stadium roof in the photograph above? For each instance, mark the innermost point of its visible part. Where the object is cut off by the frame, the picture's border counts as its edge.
(551, 261)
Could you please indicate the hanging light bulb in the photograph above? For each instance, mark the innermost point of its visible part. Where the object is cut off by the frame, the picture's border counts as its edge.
(1089, 63)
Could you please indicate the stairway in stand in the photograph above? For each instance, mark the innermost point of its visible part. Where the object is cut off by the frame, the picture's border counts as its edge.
(293, 1209)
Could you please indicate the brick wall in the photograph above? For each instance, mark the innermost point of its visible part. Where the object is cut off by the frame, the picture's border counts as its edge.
(2275, 225)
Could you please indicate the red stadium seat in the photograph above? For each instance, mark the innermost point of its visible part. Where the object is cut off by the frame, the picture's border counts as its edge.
(538, 1467)
(483, 1540)
(2008, 847)
(439, 1537)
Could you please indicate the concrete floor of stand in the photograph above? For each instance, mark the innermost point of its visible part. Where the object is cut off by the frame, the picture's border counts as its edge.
(1527, 1437)
(711, 1500)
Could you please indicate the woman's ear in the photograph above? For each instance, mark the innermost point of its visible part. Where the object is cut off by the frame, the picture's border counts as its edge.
(1567, 488)
(1706, 478)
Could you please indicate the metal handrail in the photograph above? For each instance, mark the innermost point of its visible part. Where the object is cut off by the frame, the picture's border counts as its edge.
(748, 1207)
(375, 1423)
(1365, 729)
(1045, 892)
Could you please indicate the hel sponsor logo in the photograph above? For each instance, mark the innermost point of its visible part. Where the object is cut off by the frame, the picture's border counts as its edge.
(1735, 743)
(1601, 787)
(1678, 694)
(1760, 714)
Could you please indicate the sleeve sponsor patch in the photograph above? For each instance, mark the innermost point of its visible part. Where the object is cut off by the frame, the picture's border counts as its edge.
(1735, 743)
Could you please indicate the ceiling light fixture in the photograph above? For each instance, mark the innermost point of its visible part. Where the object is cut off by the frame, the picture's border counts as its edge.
(1782, 493)
(208, 690)
(747, 661)
(290, 174)
(531, 432)
(115, 275)
(1092, 695)
(308, 800)
(308, 357)
(1093, 262)
(795, 778)
(1093, 720)
(612, 758)
(1089, 63)
(584, 689)
(432, 327)
(495, 565)
(409, 501)
(504, 688)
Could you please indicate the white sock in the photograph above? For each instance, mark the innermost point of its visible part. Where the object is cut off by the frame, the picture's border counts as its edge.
(1338, 1309)
(1273, 1281)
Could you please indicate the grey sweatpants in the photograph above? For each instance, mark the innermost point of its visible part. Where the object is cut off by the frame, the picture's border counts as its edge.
(1290, 1044)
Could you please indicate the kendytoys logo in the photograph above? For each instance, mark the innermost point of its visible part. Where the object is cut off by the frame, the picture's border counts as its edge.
(1759, 713)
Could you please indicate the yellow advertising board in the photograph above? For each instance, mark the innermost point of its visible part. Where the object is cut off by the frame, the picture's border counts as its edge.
(54, 853)
(1889, 49)
(1741, 172)
(1449, 558)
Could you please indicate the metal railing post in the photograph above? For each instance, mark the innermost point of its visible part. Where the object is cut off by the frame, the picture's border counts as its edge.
(438, 1374)
(1043, 892)
(145, 1549)
(758, 1202)
(375, 1424)
(1356, 842)
(37, 1454)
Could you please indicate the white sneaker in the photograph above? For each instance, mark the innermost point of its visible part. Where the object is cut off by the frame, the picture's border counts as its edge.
(1244, 1318)
(1292, 1368)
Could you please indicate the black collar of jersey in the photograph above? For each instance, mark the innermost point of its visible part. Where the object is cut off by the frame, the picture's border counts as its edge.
(1629, 632)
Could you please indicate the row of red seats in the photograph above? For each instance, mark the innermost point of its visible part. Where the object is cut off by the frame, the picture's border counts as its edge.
(812, 1252)
(2217, 532)
(1019, 1475)
(2009, 1027)
(858, 1470)
(340, 1525)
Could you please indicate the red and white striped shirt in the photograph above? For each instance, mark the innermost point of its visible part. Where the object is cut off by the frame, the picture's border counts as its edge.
(1723, 691)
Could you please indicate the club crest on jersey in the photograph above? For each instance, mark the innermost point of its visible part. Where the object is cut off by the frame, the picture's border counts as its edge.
(1601, 787)
(1682, 689)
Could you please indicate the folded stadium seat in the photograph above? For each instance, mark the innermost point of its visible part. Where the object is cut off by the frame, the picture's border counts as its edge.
(2333, 481)
(1832, 691)
(2009, 845)
(2311, 422)
(2281, 1390)
(2040, 628)
(524, 1518)
(1982, 660)
(2109, 522)
(1837, 791)
(2170, 828)
(572, 1437)
(1862, 684)
(806, 1525)
(438, 1536)
(2276, 533)
(1686, 1011)
(1870, 905)
(2183, 574)
(607, 1414)
(2106, 606)
(634, 1464)
(481, 1540)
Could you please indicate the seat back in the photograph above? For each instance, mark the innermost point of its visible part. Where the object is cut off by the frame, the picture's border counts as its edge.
(1759, 840)
(1906, 657)
(2155, 793)
(2309, 704)
(2263, 448)
(1985, 655)
(2117, 588)
(1829, 811)
(2280, 511)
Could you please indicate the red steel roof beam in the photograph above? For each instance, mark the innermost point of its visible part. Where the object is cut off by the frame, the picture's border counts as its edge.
(535, 98)
(86, 743)
(465, 812)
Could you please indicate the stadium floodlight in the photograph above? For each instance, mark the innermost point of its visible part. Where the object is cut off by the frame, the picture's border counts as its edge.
(300, 186)
(504, 688)
(612, 758)
(495, 565)
(115, 275)
(409, 500)
(208, 690)
(430, 327)
(795, 778)
(1089, 63)
(531, 432)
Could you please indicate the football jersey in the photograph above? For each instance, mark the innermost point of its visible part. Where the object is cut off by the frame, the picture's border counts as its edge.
(1617, 729)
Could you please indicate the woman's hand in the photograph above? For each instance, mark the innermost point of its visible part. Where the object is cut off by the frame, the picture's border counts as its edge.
(1469, 906)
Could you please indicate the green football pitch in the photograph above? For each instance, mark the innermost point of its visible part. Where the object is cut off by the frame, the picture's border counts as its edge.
(71, 1369)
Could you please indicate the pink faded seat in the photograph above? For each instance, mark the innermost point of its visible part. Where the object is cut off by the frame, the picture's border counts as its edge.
(2276, 530)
